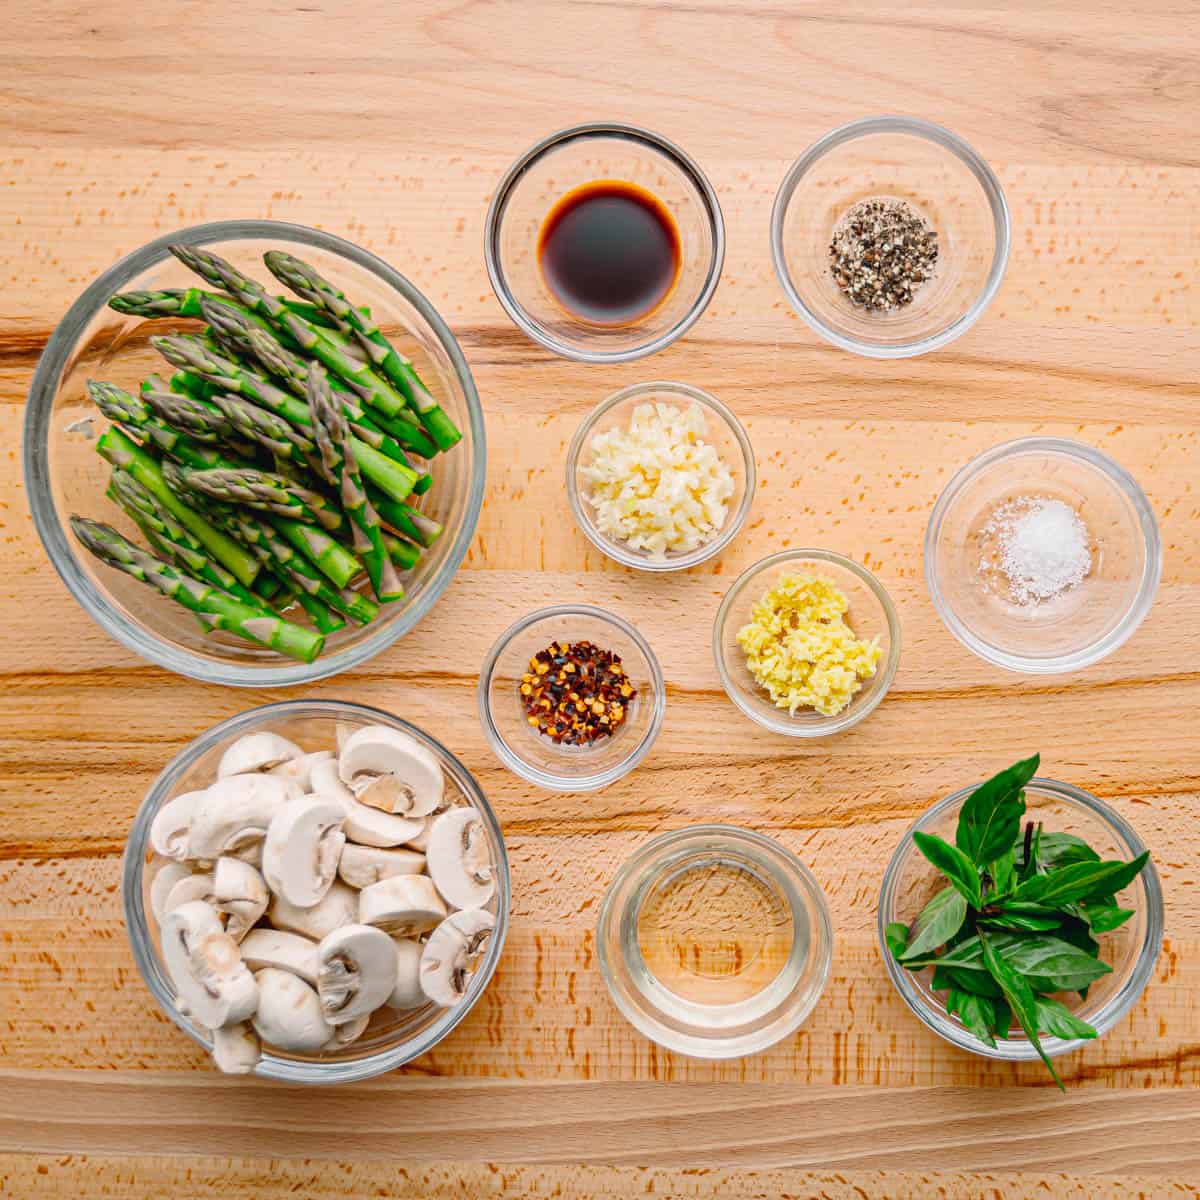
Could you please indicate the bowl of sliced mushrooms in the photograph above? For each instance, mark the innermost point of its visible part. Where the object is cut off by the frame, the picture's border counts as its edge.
(316, 891)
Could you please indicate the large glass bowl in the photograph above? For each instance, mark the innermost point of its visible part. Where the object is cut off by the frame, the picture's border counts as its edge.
(393, 1037)
(938, 174)
(65, 475)
(1132, 950)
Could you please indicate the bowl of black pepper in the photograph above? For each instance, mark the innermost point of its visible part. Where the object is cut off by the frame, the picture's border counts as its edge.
(571, 698)
(890, 236)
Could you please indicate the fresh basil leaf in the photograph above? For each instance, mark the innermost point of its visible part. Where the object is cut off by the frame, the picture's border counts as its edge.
(1065, 966)
(1003, 874)
(1021, 922)
(937, 922)
(967, 955)
(952, 863)
(1062, 849)
(990, 817)
(1076, 931)
(1080, 881)
(1004, 1018)
(1059, 1021)
(978, 983)
(1020, 999)
(1106, 919)
(975, 1012)
(896, 936)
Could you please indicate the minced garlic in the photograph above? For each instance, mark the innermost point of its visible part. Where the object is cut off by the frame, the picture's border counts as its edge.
(800, 649)
(658, 485)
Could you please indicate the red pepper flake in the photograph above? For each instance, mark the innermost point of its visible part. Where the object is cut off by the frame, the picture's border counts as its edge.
(576, 693)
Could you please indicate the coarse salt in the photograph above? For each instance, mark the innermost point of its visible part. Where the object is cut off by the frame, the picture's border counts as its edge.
(1042, 547)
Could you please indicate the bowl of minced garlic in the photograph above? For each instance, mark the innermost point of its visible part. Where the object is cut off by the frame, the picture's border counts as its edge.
(807, 642)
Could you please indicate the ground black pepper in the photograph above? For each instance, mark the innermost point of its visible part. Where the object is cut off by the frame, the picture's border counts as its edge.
(881, 252)
(575, 693)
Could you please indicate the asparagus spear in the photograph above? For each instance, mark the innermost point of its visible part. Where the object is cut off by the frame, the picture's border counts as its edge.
(298, 275)
(267, 492)
(127, 455)
(403, 554)
(283, 439)
(217, 609)
(133, 415)
(199, 419)
(413, 524)
(332, 435)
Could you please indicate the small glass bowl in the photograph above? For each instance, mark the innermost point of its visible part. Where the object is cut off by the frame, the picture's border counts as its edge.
(724, 433)
(1132, 950)
(393, 1037)
(714, 941)
(1085, 623)
(532, 755)
(871, 614)
(579, 155)
(64, 474)
(937, 173)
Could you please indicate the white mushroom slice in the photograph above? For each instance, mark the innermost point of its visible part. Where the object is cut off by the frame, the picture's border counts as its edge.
(404, 905)
(460, 860)
(169, 829)
(256, 752)
(282, 950)
(236, 1048)
(191, 887)
(345, 1035)
(303, 844)
(357, 972)
(339, 907)
(407, 993)
(205, 965)
(361, 866)
(324, 780)
(391, 771)
(421, 841)
(289, 1013)
(452, 954)
(239, 894)
(299, 770)
(165, 878)
(233, 814)
(372, 827)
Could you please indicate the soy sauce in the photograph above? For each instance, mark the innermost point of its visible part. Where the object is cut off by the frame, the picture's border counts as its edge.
(609, 252)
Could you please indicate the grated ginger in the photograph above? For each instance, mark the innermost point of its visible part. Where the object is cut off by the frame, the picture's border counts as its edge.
(658, 485)
(799, 647)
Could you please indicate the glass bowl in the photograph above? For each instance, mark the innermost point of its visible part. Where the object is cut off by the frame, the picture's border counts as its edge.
(533, 756)
(724, 433)
(393, 1037)
(65, 475)
(940, 176)
(871, 614)
(1082, 624)
(714, 941)
(1132, 950)
(548, 171)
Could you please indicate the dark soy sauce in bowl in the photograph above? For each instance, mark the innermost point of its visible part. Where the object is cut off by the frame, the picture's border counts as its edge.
(609, 252)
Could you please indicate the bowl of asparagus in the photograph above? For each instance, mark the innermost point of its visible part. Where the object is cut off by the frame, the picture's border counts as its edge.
(254, 453)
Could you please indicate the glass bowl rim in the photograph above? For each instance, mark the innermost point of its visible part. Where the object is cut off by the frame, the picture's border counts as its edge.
(931, 132)
(35, 454)
(853, 713)
(137, 924)
(499, 204)
(1143, 598)
(804, 881)
(632, 558)
(548, 779)
(1020, 1049)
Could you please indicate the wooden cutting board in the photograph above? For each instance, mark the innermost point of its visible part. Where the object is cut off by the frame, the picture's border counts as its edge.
(389, 124)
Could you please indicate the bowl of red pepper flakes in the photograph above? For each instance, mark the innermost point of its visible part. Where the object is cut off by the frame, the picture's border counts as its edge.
(571, 698)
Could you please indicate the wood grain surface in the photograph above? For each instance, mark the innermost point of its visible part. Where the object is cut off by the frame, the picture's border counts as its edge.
(390, 124)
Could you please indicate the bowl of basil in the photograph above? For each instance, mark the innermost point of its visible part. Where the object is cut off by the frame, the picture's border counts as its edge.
(1020, 918)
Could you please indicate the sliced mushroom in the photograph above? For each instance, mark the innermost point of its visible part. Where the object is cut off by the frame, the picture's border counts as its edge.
(339, 907)
(169, 829)
(239, 894)
(191, 887)
(299, 770)
(282, 950)
(407, 993)
(324, 780)
(206, 967)
(390, 770)
(289, 1013)
(233, 814)
(460, 860)
(421, 841)
(361, 866)
(236, 1048)
(357, 972)
(452, 954)
(404, 905)
(350, 1032)
(165, 878)
(256, 752)
(372, 827)
(301, 851)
